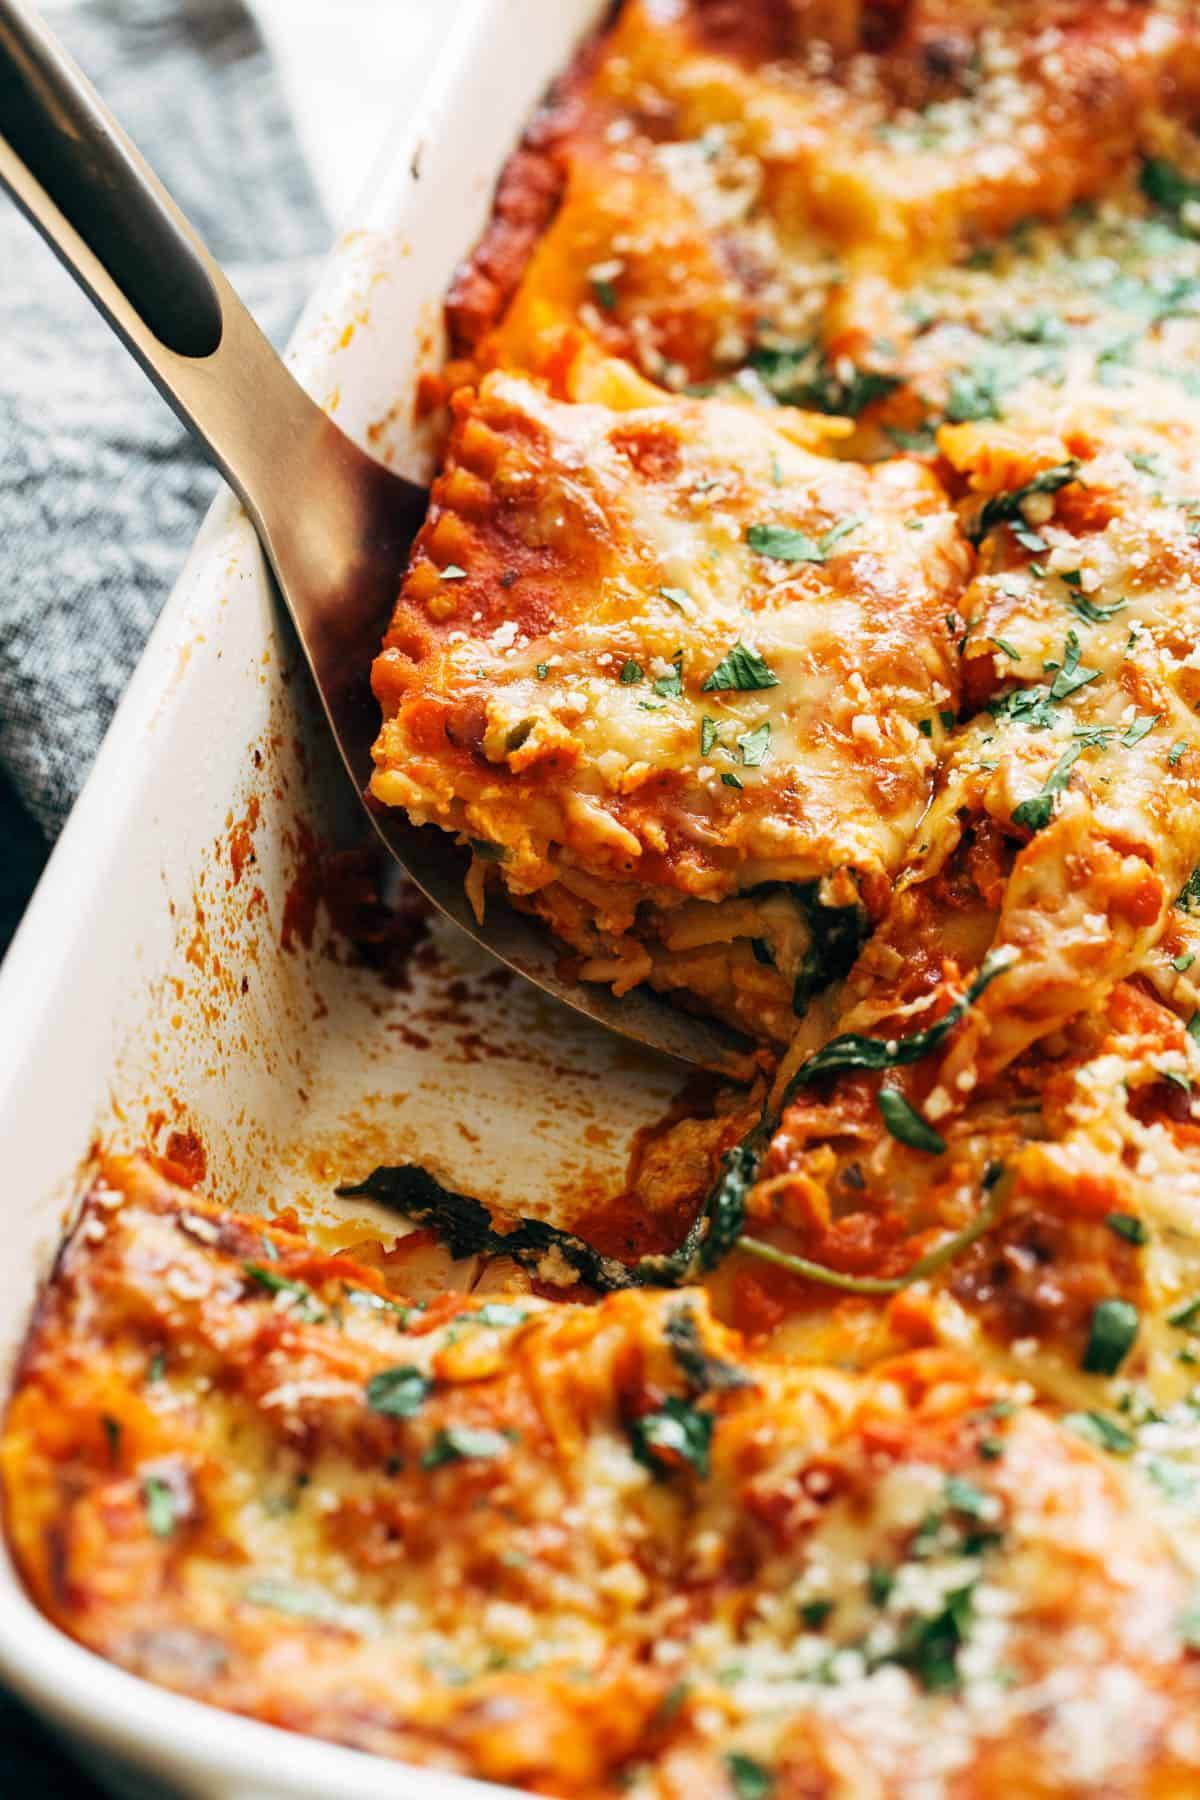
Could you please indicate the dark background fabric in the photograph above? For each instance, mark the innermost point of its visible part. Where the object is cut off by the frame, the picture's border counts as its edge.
(101, 490)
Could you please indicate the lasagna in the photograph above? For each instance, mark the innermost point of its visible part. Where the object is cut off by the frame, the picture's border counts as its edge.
(806, 624)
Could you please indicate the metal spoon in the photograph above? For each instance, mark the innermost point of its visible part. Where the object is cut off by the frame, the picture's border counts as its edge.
(335, 525)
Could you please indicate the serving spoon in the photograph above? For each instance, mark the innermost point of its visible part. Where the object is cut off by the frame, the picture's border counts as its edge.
(335, 525)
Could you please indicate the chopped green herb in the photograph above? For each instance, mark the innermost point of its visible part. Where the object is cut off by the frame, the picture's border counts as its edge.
(464, 1443)
(1102, 1431)
(542, 670)
(749, 1779)
(1036, 813)
(907, 1125)
(1174, 1482)
(670, 687)
(1142, 726)
(675, 1432)
(631, 673)
(1183, 962)
(741, 670)
(158, 1498)
(787, 545)
(1186, 1316)
(755, 744)
(158, 1366)
(677, 597)
(604, 293)
(498, 1315)
(303, 1301)
(1114, 1326)
(1071, 676)
(708, 735)
(803, 375)
(1094, 613)
(1176, 751)
(930, 1646)
(963, 1496)
(486, 851)
(1007, 506)
(1188, 897)
(1127, 1226)
(814, 1613)
(731, 780)
(1164, 185)
(705, 1374)
(925, 727)
(976, 393)
(1003, 644)
(398, 1393)
(880, 1583)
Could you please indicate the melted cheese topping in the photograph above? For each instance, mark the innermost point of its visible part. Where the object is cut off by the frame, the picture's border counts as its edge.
(663, 652)
(580, 1549)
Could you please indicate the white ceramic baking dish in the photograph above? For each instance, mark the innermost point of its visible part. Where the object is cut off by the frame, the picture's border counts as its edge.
(149, 989)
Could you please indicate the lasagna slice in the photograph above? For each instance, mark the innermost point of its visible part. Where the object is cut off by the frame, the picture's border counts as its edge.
(677, 680)
(582, 1550)
(754, 189)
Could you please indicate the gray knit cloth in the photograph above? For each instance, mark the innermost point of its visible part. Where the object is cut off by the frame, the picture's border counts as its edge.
(100, 488)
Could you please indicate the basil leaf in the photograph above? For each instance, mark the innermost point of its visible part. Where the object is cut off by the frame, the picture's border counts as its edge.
(159, 1501)
(708, 735)
(1093, 612)
(1071, 677)
(907, 1125)
(748, 1777)
(755, 744)
(1188, 898)
(631, 673)
(1104, 1432)
(787, 545)
(670, 687)
(1162, 183)
(1034, 814)
(803, 375)
(851, 1051)
(1114, 1326)
(741, 670)
(675, 1432)
(705, 1374)
(1006, 506)
(303, 1301)
(398, 1393)
(464, 1443)
(1142, 726)
(1127, 1226)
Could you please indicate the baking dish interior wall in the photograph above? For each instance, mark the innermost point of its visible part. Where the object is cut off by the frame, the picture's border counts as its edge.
(149, 992)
